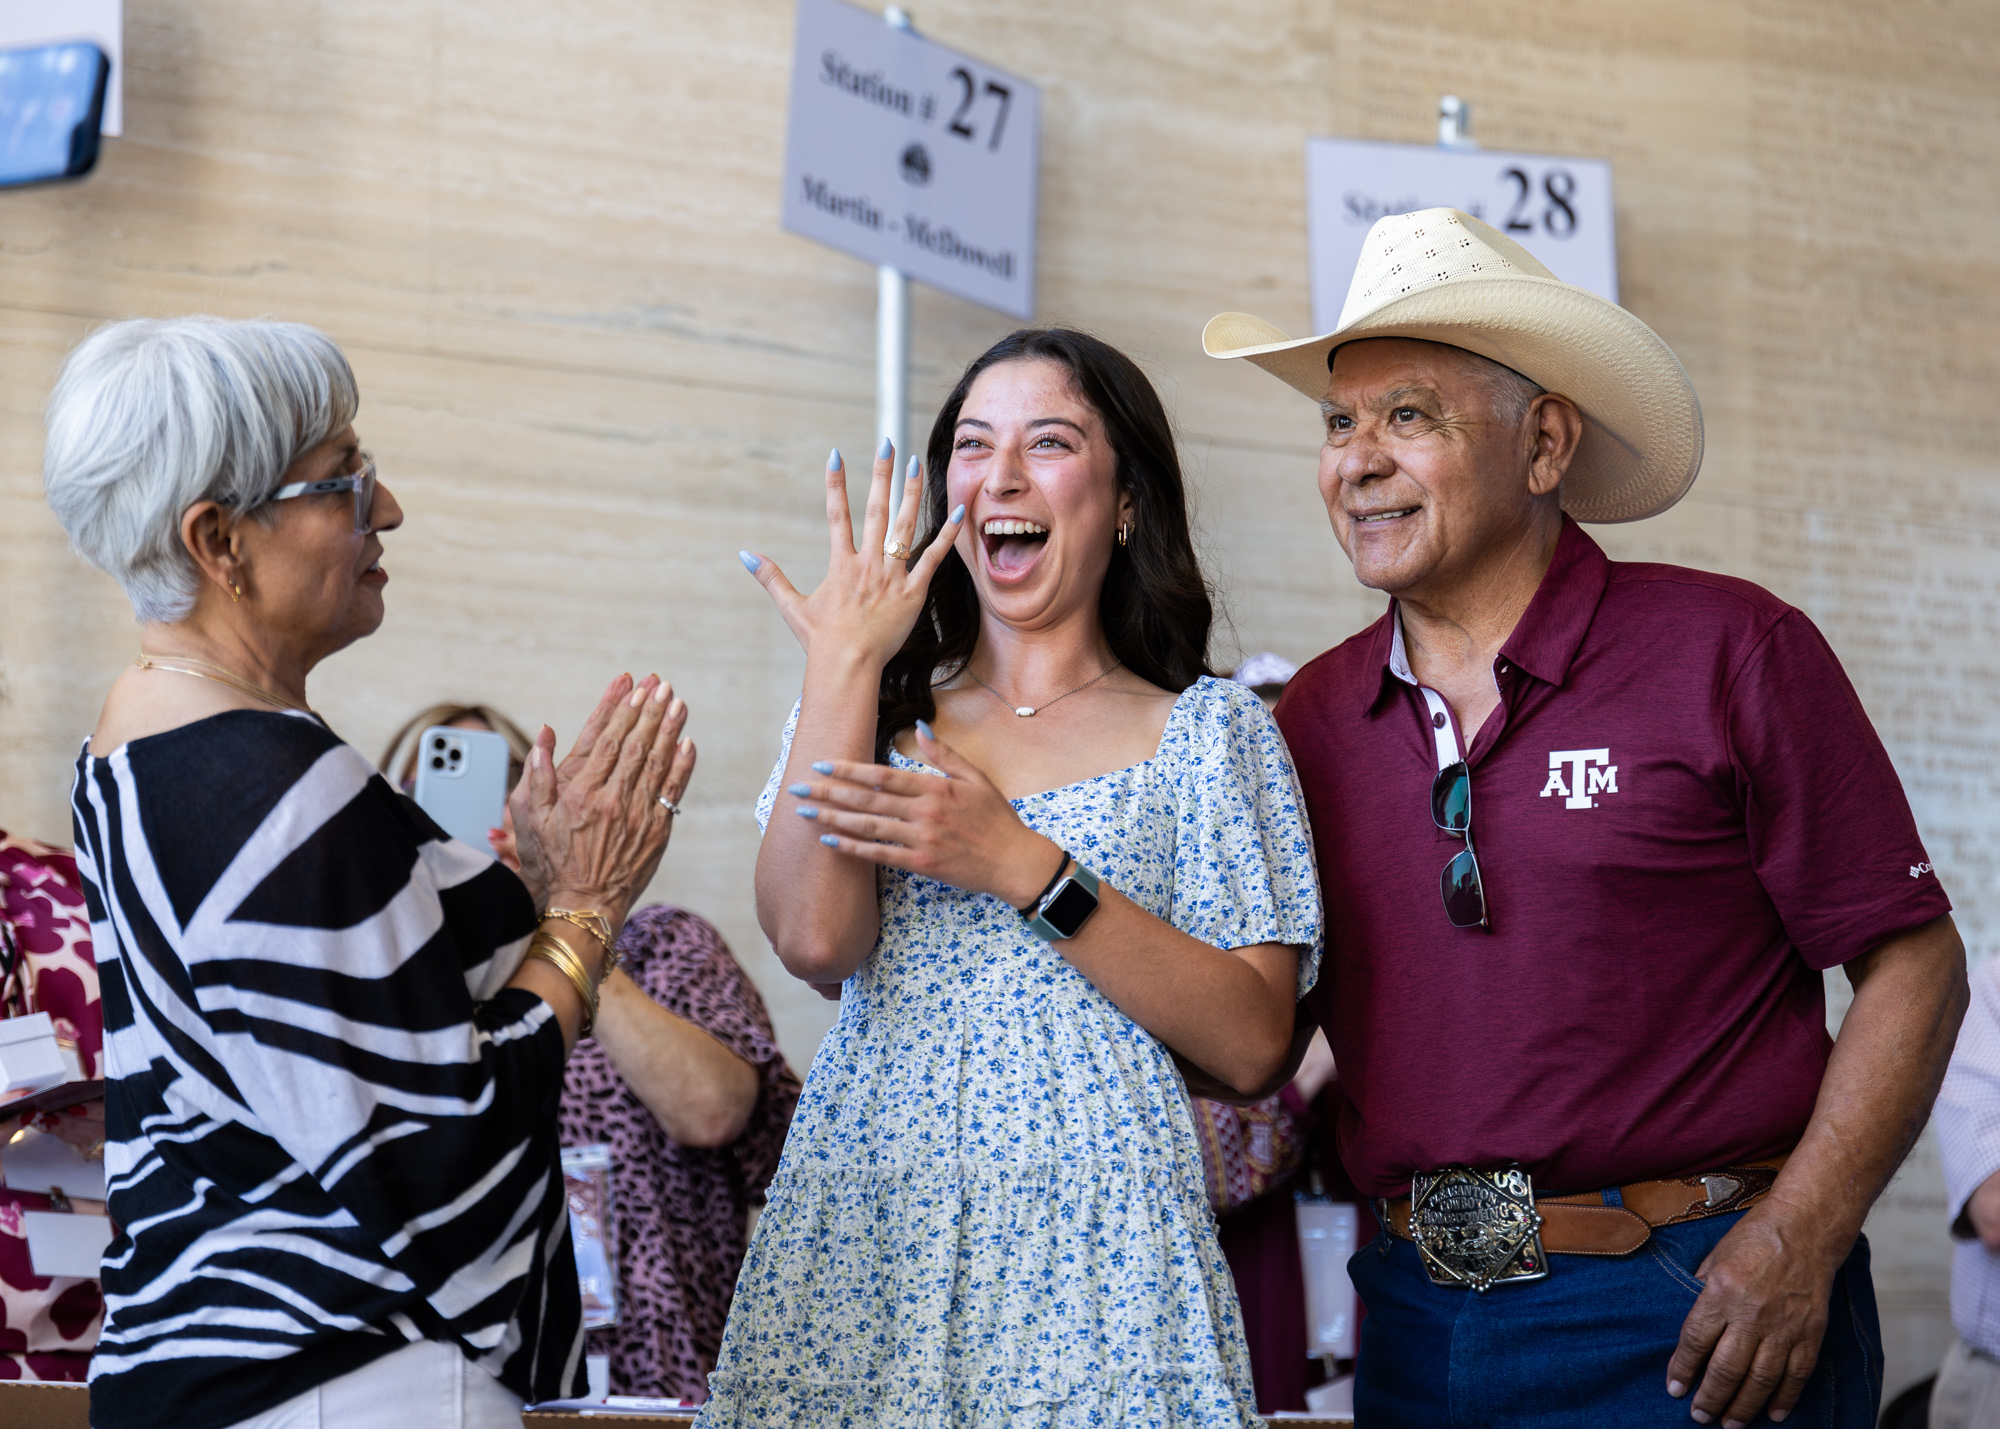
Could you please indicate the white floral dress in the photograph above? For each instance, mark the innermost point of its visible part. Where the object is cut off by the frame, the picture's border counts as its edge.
(990, 1210)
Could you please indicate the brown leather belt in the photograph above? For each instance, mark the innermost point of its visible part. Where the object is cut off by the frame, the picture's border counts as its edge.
(1585, 1225)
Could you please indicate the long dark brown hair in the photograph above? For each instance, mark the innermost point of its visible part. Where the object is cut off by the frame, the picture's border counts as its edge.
(1155, 605)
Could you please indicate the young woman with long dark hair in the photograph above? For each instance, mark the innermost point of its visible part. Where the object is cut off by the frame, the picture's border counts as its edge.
(1044, 850)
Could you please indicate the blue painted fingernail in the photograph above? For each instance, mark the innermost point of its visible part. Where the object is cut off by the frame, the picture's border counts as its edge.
(958, 513)
(829, 840)
(800, 790)
(886, 450)
(924, 728)
(823, 766)
(808, 813)
(915, 470)
(833, 460)
(750, 562)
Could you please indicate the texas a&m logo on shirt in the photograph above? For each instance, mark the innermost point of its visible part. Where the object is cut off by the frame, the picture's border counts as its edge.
(1589, 771)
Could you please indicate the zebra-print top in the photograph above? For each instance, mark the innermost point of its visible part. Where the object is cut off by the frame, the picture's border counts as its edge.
(332, 1128)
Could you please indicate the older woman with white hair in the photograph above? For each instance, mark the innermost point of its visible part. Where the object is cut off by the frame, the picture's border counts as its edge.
(334, 1038)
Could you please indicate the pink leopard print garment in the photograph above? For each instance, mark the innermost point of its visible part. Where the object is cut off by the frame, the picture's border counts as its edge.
(680, 1211)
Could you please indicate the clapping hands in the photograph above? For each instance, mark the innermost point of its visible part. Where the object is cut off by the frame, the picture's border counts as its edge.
(590, 832)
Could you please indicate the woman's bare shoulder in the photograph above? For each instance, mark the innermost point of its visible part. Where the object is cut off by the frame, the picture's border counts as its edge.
(143, 703)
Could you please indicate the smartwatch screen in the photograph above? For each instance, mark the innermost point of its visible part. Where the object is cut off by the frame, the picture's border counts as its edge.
(1072, 904)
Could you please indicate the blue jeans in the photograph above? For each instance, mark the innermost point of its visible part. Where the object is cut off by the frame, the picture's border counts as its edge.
(1587, 1348)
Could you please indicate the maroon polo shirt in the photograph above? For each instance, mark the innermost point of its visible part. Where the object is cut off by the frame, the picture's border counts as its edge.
(1682, 815)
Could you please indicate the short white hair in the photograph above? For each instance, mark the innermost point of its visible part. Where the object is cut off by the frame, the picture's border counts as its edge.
(151, 416)
(1508, 393)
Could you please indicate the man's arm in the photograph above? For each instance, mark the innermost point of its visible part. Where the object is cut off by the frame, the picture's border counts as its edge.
(1760, 1318)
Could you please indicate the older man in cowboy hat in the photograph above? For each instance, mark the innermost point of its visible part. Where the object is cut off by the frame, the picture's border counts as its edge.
(1619, 1161)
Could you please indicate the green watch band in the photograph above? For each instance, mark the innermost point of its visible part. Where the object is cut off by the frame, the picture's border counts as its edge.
(1062, 912)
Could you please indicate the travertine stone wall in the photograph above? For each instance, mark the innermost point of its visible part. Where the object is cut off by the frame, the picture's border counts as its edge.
(593, 366)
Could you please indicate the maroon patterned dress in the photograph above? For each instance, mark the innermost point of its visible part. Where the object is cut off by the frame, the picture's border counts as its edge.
(48, 1325)
(680, 1211)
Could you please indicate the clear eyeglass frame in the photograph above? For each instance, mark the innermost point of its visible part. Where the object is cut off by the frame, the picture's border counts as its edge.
(362, 483)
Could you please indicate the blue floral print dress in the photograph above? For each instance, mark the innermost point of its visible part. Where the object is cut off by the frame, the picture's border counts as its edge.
(990, 1210)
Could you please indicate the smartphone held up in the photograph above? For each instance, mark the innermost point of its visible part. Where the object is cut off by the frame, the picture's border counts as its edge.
(51, 111)
(462, 780)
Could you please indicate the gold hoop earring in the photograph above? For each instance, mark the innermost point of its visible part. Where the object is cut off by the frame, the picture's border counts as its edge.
(235, 592)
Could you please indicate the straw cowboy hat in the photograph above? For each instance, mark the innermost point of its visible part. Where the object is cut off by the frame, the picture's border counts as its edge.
(1444, 276)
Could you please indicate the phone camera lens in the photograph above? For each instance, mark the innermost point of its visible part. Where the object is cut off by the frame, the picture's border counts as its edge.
(456, 755)
(438, 743)
(436, 763)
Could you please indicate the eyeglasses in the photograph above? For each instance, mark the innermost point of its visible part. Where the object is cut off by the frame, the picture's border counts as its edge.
(362, 483)
(1451, 810)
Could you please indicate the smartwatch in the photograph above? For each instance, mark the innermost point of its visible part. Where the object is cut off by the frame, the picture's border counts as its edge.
(1062, 911)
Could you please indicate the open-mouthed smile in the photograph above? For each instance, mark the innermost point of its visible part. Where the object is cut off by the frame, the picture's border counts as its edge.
(1373, 518)
(1012, 545)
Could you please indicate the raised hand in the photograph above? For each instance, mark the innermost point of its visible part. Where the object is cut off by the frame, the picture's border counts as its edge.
(870, 598)
(958, 830)
(614, 694)
(593, 838)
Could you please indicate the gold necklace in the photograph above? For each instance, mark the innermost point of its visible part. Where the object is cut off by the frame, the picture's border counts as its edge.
(220, 676)
(1029, 711)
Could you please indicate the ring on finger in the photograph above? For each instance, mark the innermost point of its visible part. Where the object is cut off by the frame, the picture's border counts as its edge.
(669, 805)
(896, 549)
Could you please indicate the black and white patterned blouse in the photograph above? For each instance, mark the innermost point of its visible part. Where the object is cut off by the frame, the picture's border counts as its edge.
(332, 1128)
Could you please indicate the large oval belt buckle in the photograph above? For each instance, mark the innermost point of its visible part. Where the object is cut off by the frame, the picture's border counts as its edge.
(1477, 1228)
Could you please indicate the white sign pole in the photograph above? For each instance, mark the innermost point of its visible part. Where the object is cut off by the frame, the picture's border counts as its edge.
(892, 341)
(892, 368)
(1455, 126)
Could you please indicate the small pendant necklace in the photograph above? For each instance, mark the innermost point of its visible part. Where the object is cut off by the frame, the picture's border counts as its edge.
(220, 676)
(1029, 711)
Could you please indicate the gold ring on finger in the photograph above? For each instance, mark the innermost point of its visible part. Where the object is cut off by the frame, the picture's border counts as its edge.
(896, 549)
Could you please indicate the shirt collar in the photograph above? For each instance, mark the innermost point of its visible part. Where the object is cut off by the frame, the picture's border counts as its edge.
(1551, 630)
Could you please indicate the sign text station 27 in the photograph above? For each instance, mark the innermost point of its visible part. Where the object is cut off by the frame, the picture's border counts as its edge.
(902, 151)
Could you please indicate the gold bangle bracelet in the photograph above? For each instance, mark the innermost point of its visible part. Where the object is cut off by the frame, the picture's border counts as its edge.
(605, 963)
(564, 963)
(569, 960)
(593, 923)
(553, 952)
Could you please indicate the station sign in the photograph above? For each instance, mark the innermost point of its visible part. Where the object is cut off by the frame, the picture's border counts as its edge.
(900, 150)
(1557, 208)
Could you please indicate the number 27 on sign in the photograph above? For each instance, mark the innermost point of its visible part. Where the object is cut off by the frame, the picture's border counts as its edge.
(971, 112)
